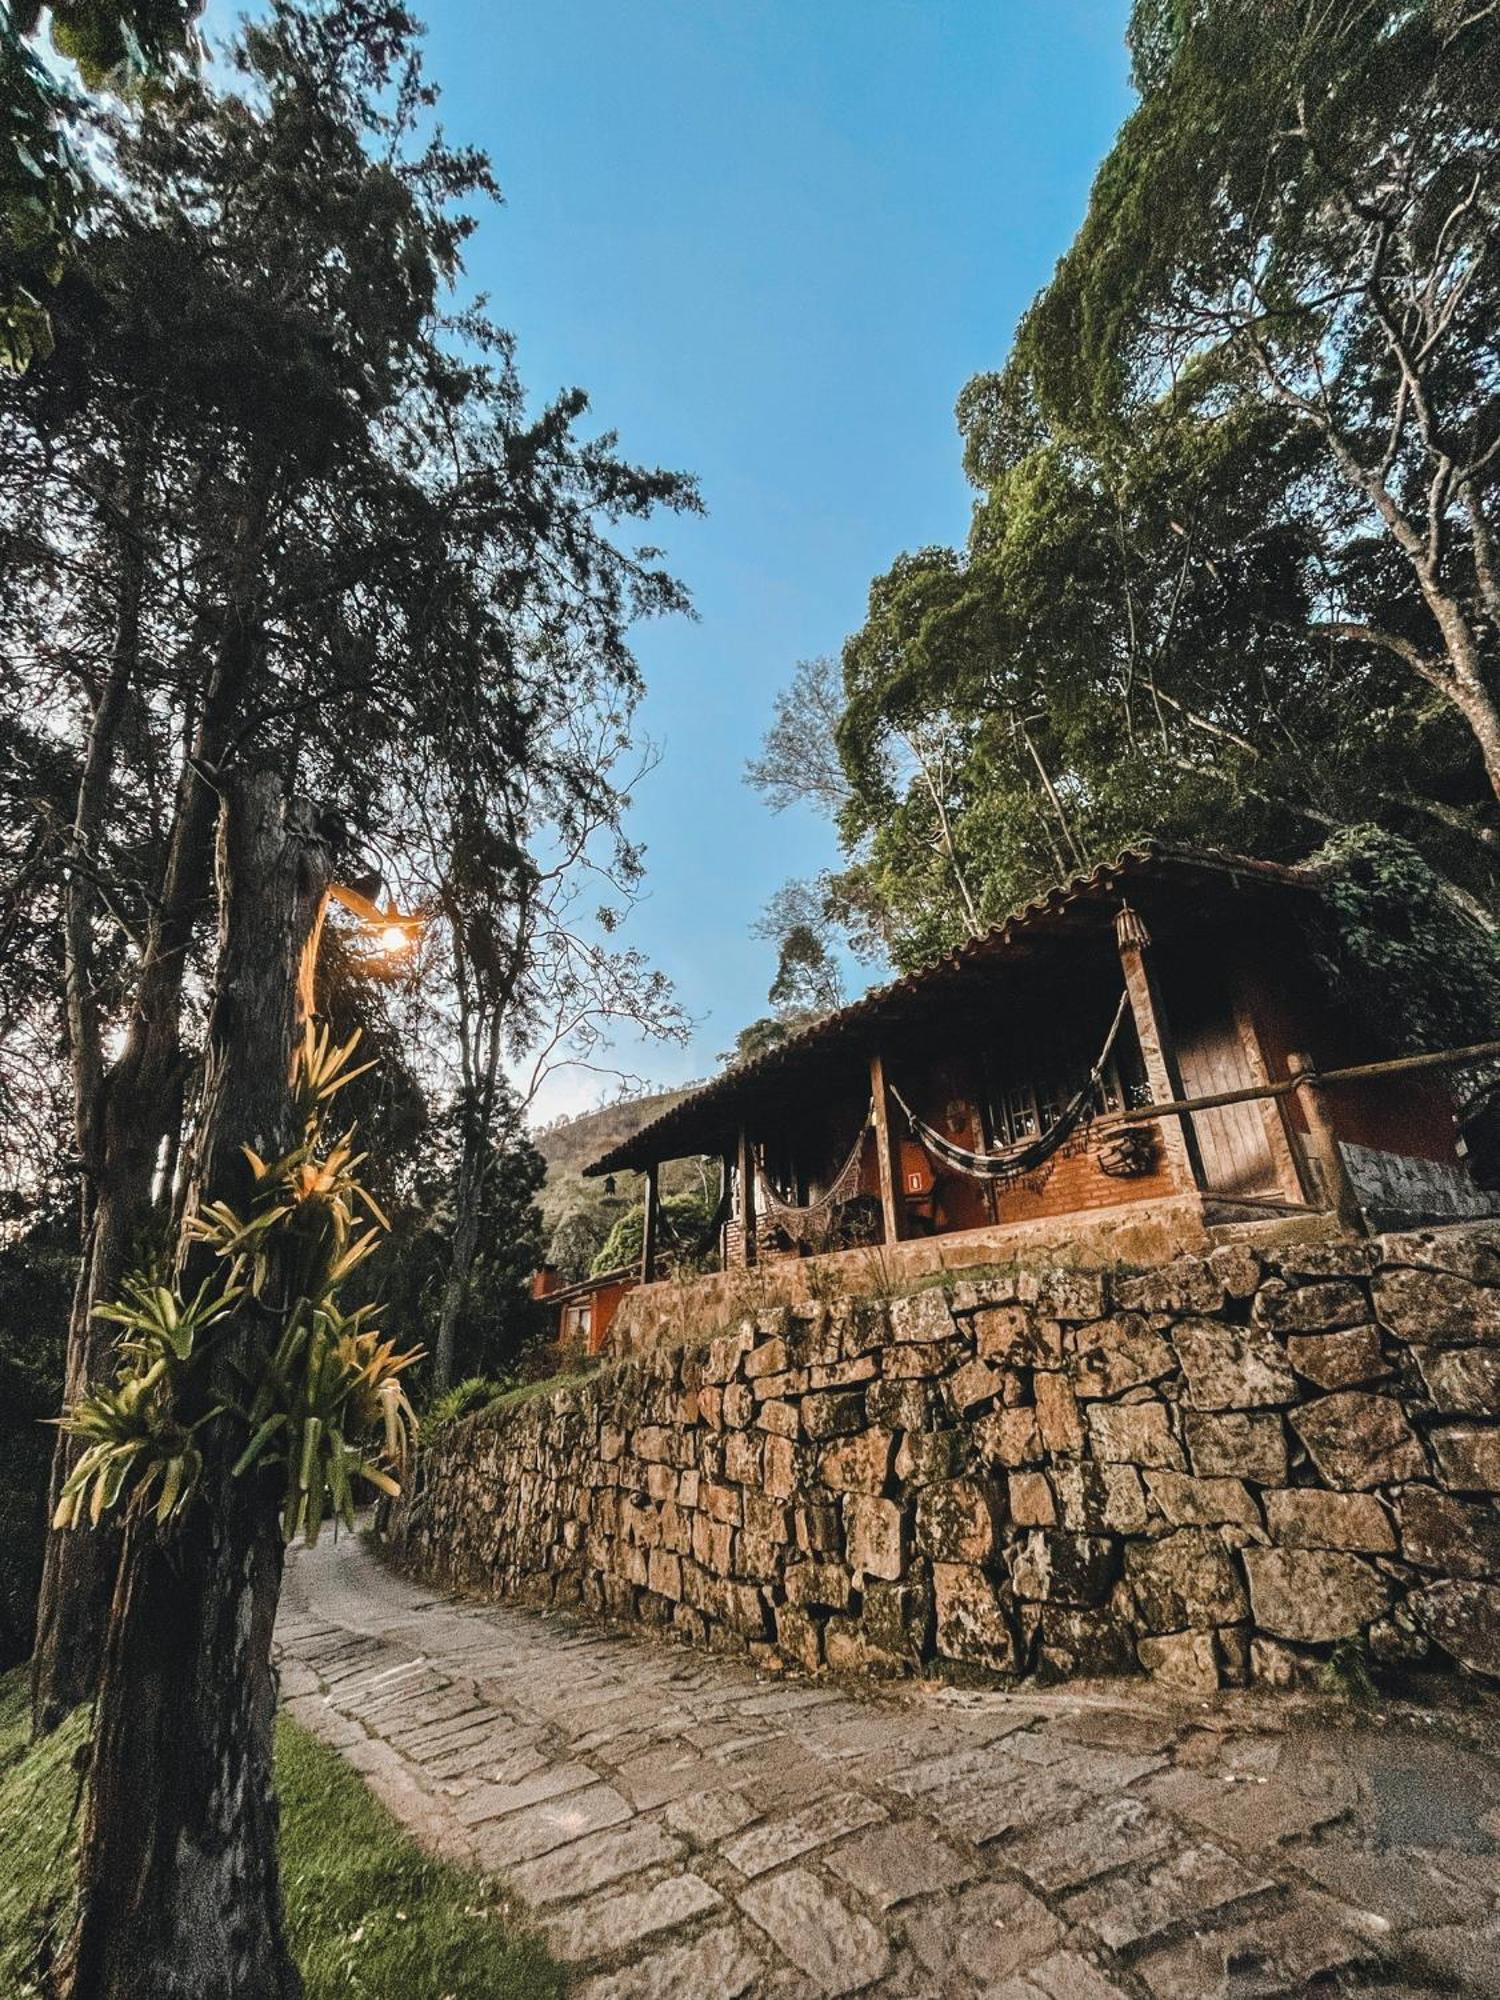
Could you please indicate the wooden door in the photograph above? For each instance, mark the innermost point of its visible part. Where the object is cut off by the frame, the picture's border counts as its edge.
(1232, 1139)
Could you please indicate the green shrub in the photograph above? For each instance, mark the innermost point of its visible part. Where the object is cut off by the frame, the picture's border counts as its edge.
(683, 1220)
(462, 1400)
(1397, 951)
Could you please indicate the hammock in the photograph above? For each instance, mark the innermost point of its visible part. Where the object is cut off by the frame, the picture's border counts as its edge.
(806, 1221)
(1017, 1163)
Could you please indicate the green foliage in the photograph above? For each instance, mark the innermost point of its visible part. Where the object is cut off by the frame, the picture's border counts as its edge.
(42, 188)
(1179, 611)
(118, 45)
(757, 1038)
(1123, 650)
(37, 1272)
(327, 1386)
(578, 1214)
(132, 1434)
(330, 1385)
(681, 1222)
(807, 978)
(309, 506)
(1256, 161)
(370, 1916)
(1396, 952)
(518, 1393)
(408, 1273)
(585, 1214)
(457, 1402)
(1346, 1671)
(1300, 225)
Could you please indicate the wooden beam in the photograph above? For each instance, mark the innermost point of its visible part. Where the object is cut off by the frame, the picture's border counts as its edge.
(892, 1199)
(648, 1226)
(1286, 1152)
(726, 1205)
(744, 1165)
(1179, 1142)
(1352, 1073)
(1323, 1149)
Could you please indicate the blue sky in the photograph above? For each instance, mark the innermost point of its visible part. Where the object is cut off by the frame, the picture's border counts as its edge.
(772, 239)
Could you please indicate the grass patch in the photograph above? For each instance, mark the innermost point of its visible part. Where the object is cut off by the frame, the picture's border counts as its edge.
(527, 1392)
(371, 1917)
(39, 1789)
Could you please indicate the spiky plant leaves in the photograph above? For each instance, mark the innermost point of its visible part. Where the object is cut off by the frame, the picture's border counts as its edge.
(328, 1406)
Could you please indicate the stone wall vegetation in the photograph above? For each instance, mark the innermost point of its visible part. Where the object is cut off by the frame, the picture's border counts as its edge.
(1217, 1472)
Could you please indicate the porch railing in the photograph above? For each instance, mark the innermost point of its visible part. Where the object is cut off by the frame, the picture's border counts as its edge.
(1287, 1086)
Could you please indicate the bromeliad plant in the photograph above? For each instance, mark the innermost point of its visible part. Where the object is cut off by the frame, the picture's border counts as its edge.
(328, 1405)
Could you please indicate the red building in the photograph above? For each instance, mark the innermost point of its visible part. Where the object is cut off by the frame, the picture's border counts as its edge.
(985, 1102)
(584, 1310)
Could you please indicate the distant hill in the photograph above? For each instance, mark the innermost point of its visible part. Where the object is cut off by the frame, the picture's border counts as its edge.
(577, 1214)
(570, 1144)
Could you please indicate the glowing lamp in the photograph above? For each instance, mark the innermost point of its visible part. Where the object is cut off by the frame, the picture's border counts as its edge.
(390, 931)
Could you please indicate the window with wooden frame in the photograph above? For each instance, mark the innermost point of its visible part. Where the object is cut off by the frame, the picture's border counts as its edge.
(1027, 1098)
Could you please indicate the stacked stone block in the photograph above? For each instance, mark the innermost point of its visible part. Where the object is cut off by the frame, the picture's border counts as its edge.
(1215, 1471)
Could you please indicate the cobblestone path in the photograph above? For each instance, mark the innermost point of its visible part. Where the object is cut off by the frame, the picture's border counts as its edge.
(683, 1830)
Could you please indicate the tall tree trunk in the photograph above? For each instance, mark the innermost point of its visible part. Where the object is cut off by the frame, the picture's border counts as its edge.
(483, 1075)
(1482, 713)
(136, 1105)
(70, 1612)
(180, 1890)
(468, 1196)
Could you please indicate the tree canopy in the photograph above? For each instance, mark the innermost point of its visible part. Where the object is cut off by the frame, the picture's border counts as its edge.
(1229, 574)
(279, 498)
(46, 187)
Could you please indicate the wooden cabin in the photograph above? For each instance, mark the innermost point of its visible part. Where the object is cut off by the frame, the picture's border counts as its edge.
(585, 1310)
(995, 1096)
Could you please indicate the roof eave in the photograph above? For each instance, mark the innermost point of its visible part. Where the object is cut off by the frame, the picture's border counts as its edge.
(633, 1154)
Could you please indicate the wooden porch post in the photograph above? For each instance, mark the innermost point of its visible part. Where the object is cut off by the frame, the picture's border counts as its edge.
(1179, 1143)
(726, 1205)
(892, 1204)
(1334, 1185)
(1280, 1136)
(745, 1176)
(648, 1226)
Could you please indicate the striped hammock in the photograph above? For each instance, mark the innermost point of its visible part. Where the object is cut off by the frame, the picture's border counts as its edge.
(1017, 1163)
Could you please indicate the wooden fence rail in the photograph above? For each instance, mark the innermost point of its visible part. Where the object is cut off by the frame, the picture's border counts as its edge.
(1285, 1086)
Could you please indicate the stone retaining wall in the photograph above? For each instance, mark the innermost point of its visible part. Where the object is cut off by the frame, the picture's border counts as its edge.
(1214, 1471)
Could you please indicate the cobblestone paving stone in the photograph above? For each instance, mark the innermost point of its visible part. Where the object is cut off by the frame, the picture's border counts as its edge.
(680, 1828)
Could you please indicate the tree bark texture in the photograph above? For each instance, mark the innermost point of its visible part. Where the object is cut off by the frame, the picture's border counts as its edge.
(180, 1889)
(123, 1116)
(141, 1099)
(455, 1298)
(70, 1619)
(468, 1193)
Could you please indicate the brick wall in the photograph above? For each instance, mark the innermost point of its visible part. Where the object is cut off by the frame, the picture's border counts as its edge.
(1077, 1184)
(1213, 1472)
